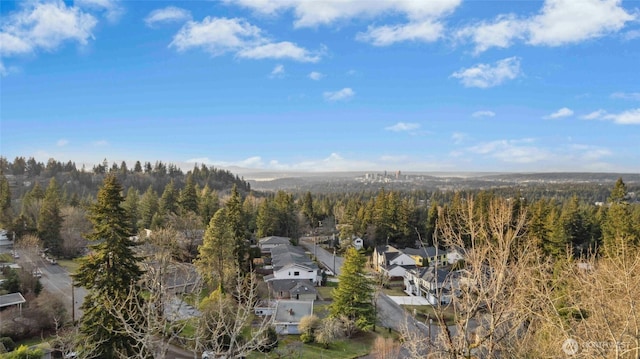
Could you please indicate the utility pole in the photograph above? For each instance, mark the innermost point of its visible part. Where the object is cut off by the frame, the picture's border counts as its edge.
(73, 304)
(334, 261)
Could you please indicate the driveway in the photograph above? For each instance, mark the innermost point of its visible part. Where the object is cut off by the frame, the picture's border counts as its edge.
(409, 300)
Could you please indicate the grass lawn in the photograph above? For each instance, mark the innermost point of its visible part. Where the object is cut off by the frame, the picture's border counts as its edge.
(290, 346)
(423, 312)
(71, 265)
(394, 291)
(6, 257)
(325, 292)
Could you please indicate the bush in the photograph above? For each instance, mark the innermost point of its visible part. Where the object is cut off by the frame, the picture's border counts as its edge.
(306, 338)
(8, 343)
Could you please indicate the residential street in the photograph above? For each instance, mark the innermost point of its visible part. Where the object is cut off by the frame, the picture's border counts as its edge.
(323, 256)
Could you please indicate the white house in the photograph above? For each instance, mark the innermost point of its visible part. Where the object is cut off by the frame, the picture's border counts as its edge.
(358, 243)
(430, 283)
(291, 262)
(384, 257)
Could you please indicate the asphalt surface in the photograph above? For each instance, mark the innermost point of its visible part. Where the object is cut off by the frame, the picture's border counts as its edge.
(323, 256)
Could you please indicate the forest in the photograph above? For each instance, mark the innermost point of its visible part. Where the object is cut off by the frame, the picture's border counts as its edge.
(523, 249)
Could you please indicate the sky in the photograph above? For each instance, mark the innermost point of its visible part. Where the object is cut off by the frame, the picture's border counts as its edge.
(335, 85)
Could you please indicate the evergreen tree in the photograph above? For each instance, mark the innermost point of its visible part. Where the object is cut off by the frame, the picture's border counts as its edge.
(131, 207)
(618, 231)
(238, 229)
(209, 203)
(111, 272)
(188, 196)
(308, 211)
(266, 219)
(353, 298)
(50, 219)
(169, 199)
(148, 208)
(215, 259)
(6, 217)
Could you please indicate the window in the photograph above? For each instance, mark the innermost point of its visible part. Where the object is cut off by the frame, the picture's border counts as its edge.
(295, 274)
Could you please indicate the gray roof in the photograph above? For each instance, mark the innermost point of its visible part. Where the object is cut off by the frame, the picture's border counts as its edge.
(303, 287)
(11, 299)
(430, 274)
(424, 252)
(291, 311)
(274, 240)
(284, 255)
(283, 285)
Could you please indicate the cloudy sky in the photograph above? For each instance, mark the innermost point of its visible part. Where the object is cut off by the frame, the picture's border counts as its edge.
(335, 85)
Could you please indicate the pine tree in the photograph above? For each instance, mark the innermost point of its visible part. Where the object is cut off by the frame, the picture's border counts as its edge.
(353, 298)
(113, 272)
(238, 229)
(148, 208)
(50, 220)
(215, 259)
(188, 196)
(6, 216)
(618, 232)
(131, 206)
(169, 199)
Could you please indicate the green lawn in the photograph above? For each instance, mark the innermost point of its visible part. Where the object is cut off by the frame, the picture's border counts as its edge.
(6, 257)
(325, 292)
(394, 291)
(291, 347)
(423, 312)
(71, 265)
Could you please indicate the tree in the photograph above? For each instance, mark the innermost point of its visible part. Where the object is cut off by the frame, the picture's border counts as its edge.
(330, 329)
(148, 208)
(618, 232)
(110, 272)
(50, 219)
(188, 196)
(130, 205)
(215, 260)
(169, 199)
(74, 226)
(6, 217)
(353, 298)
(238, 229)
(308, 210)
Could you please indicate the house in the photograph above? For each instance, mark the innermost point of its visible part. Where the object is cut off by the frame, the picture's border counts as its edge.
(265, 308)
(291, 262)
(358, 243)
(267, 243)
(426, 256)
(429, 282)
(288, 314)
(387, 256)
(292, 289)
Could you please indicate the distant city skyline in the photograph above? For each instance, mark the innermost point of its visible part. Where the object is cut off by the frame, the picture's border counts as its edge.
(324, 86)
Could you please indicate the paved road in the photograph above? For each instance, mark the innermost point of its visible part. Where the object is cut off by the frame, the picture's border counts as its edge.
(56, 280)
(325, 257)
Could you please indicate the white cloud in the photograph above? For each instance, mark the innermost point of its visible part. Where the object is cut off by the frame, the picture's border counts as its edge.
(279, 50)
(486, 75)
(277, 72)
(403, 127)
(521, 151)
(629, 117)
(44, 26)
(340, 95)
(101, 143)
(483, 113)
(315, 13)
(218, 36)
(563, 112)
(62, 142)
(425, 31)
(316, 76)
(499, 33)
(459, 137)
(631, 35)
(626, 95)
(595, 115)
(112, 8)
(167, 14)
(568, 21)
(559, 22)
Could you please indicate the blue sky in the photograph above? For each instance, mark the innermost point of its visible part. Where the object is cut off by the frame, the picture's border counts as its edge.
(336, 85)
